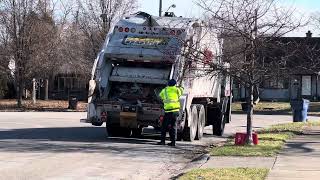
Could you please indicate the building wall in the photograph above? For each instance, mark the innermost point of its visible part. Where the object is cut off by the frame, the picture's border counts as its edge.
(63, 86)
(314, 86)
(274, 94)
(318, 89)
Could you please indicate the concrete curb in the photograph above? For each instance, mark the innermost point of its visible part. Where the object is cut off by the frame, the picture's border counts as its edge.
(194, 163)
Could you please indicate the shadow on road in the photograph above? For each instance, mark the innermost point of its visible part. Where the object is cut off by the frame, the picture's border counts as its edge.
(69, 134)
(88, 140)
(314, 113)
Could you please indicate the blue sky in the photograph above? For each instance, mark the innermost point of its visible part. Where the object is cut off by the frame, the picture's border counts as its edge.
(188, 8)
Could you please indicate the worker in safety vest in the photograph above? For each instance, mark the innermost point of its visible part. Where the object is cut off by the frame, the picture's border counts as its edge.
(170, 97)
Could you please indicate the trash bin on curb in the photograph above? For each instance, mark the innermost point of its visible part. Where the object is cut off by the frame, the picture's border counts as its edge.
(300, 110)
(73, 103)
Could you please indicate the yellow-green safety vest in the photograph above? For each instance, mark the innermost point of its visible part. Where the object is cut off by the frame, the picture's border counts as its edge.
(170, 97)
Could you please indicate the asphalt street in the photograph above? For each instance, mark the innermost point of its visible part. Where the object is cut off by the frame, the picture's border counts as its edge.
(51, 145)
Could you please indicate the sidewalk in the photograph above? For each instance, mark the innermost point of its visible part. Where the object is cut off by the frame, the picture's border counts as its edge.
(300, 159)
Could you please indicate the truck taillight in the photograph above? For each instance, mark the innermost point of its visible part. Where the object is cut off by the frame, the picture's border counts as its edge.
(173, 32)
(120, 29)
(126, 29)
(103, 114)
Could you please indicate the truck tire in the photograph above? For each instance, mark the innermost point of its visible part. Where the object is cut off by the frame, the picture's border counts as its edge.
(181, 126)
(111, 131)
(228, 111)
(97, 123)
(218, 125)
(180, 131)
(137, 132)
(190, 132)
(125, 132)
(179, 136)
(201, 121)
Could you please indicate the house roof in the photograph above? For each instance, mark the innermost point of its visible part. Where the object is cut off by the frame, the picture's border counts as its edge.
(305, 51)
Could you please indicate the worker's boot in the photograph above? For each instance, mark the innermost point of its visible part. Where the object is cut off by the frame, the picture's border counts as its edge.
(172, 144)
(161, 143)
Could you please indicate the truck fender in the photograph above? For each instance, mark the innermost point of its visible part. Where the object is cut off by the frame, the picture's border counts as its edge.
(183, 102)
(182, 111)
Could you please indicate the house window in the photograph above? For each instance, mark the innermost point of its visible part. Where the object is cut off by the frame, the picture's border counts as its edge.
(60, 84)
(275, 83)
(306, 86)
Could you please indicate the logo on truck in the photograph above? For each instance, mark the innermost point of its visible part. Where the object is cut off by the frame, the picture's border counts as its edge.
(146, 41)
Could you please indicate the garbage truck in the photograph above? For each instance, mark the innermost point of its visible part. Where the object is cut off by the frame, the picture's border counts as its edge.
(140, 54)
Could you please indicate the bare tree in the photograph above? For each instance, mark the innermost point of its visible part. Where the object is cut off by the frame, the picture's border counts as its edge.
(95, 18)
(249, 31)
(31, 35)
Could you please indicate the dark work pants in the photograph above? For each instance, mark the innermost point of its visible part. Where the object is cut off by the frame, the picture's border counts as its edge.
(169, 119)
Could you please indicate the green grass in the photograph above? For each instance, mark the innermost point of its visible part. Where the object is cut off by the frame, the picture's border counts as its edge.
(265, 106)
(226, 174)
(271, 141)
(278, 107)
(269, 145)
(296, 128)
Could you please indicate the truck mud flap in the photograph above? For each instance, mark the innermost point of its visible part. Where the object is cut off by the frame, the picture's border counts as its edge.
(128, 119)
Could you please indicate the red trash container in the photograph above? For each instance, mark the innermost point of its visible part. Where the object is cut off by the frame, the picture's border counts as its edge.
(240, 138)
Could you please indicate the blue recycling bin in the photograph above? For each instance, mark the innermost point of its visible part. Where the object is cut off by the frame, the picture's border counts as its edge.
(300, 110)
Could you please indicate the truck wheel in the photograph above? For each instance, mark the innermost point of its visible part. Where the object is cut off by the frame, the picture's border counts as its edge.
(218, 125)
(111, 131)
(190, 132)
(137, 132)
(228, 111)
(179, 136)
(201, 121)
(180, 126)
(125, 132)
(97, 123)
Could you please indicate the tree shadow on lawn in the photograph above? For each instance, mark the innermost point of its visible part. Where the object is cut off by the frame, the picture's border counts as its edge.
(314, 110)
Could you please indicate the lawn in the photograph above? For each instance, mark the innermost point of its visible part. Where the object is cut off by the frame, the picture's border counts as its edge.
(271, 141)
(11, 104)
(226, 174)
(277, 107)
(269, 145)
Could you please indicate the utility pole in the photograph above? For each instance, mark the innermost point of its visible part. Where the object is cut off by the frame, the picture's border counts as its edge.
(160, 8)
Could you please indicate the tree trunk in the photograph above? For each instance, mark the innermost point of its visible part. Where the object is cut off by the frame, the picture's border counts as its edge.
(34, 91)
(250, 102)
(46, 86)
(19, 95)
(19, 89)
